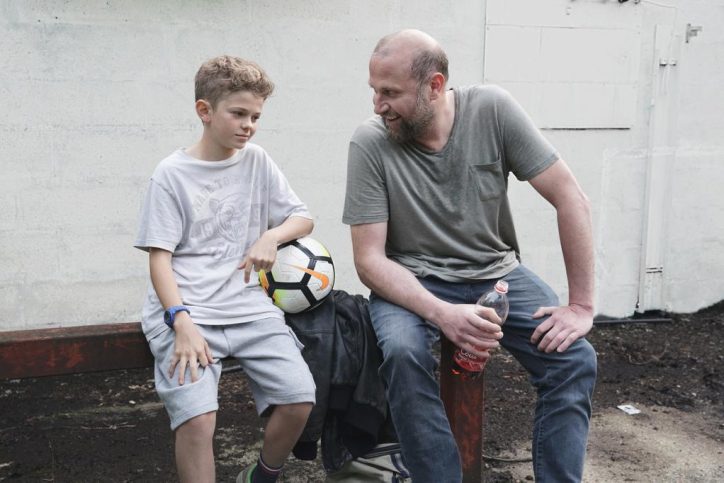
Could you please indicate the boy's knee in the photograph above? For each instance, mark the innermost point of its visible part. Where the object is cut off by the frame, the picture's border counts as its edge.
(199, 427)
(295, 414)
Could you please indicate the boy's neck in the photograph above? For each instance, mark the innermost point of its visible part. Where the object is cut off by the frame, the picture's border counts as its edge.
(210, 151)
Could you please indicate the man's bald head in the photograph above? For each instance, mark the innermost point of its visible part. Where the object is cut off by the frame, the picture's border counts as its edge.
(424, 53)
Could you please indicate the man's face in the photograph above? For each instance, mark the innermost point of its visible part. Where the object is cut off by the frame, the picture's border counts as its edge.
(398, 99)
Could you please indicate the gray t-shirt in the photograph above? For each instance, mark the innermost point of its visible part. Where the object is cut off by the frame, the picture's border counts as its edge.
(208, 214)
(448, 212)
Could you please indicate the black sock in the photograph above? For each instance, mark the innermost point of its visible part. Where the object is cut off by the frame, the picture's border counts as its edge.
(265, 473)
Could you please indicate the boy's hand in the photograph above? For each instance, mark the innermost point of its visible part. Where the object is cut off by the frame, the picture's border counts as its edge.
(261, 256)
(191, 349)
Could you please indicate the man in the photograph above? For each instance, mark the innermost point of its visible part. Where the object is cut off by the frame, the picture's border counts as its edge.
(432, 230)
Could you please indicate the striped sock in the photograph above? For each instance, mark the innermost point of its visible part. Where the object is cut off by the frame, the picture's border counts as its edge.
(265, 473)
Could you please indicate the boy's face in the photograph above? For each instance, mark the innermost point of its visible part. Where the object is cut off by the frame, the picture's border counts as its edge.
(234, 119)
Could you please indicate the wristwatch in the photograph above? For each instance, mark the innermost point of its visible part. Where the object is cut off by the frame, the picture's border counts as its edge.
(169, 316)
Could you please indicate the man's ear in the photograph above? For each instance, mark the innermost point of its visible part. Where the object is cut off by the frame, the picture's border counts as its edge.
(437, 85)
(203, 110)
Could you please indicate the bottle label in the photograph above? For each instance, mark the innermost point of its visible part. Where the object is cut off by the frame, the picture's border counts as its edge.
(467, 361)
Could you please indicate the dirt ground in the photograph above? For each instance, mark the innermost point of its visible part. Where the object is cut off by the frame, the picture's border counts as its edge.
(110, 426)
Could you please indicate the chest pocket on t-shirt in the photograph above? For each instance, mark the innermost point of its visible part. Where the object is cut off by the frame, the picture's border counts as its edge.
(488, 179)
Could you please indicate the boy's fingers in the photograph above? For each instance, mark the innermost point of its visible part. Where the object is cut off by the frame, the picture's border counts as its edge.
(182, 371)
(247, 274)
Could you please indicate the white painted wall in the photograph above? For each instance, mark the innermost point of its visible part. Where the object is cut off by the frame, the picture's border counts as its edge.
(96, 93)
(612, 149)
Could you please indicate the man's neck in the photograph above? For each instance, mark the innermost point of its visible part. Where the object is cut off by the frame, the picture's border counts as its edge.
(437, 135)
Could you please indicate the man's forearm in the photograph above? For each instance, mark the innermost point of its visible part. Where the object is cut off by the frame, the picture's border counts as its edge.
(398, 285)
(576, 236)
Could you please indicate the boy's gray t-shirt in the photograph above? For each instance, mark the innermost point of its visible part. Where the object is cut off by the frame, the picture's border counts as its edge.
(448, 212)
(208, 214)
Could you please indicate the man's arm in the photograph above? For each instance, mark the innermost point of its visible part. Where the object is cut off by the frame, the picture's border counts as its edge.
(569, 323)
(190, 347)
(471, 327)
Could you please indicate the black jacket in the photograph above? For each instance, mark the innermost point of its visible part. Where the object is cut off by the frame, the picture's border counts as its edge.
(341, 350)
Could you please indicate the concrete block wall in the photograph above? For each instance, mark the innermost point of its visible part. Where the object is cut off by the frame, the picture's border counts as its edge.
(95, 94)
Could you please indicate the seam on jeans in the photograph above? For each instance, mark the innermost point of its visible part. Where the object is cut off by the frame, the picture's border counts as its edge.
(541, 429)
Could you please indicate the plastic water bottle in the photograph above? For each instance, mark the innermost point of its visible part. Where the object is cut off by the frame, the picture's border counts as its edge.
(470, 366)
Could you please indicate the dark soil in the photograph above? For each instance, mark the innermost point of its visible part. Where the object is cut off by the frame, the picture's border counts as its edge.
(110, 426)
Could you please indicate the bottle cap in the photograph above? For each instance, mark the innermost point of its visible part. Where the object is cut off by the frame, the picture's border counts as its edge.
(501, 286)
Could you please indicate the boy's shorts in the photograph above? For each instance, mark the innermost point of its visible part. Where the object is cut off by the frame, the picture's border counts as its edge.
(266, 349)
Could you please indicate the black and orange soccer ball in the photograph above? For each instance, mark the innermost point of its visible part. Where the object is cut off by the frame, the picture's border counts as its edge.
(302, 275)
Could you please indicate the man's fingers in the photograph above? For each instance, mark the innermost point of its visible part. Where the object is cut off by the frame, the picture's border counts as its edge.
(572, 337)
(540, 331)
(488, 315)
(542, 311)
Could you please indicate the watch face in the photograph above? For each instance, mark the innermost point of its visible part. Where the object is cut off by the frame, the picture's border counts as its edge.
(167, 317)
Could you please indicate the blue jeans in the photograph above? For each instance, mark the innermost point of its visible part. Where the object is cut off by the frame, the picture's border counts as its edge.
(564, 382)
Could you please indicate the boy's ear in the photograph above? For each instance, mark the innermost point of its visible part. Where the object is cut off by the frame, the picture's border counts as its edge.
(203, 110)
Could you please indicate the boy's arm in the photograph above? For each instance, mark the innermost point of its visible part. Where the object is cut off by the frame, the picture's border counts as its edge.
(190, 347)
(263, 252)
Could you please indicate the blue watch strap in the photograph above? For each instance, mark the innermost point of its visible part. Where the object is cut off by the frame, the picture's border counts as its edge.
(169, 316)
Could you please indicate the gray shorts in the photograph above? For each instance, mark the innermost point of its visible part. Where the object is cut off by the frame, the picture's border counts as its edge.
(266, 349)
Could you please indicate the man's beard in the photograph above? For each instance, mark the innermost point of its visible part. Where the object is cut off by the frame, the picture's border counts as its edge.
(411, 129)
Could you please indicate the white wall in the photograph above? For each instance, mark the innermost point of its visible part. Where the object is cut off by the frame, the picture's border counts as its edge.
(96, 93)
(672, 136)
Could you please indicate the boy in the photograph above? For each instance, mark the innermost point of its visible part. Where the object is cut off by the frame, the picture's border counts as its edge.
(212, 209)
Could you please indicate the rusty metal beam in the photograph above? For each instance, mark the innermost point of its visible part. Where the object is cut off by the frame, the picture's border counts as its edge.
(46, 352)
(464, 406)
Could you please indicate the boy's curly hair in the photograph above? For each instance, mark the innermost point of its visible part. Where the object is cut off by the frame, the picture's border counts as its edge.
(225, 74)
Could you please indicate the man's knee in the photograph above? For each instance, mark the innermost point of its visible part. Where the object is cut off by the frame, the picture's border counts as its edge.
(586, 360)
(581, 366)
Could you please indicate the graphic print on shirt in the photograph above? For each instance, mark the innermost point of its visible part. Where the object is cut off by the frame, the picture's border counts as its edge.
(224, 219)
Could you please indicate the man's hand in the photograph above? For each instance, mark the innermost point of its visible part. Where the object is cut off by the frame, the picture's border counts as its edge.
(261, 256)
(190, 349)
(473, 328)
(565, 325)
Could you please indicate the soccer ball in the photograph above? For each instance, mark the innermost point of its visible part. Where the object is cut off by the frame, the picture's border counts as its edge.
(301, 277)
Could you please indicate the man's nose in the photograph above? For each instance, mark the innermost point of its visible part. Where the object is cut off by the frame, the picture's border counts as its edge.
(380, 107)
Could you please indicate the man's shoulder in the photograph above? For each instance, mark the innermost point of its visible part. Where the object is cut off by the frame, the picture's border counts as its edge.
(371, 130)
(483, 93)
